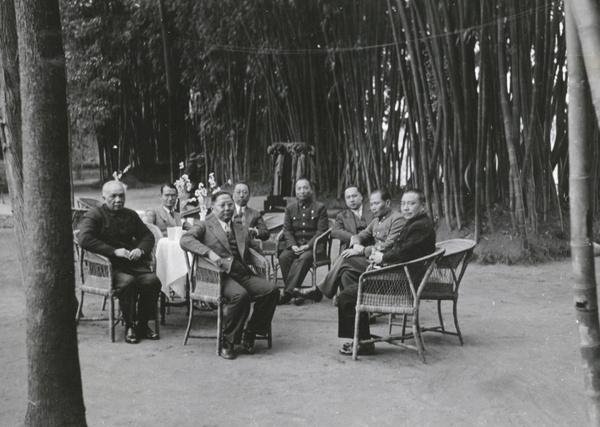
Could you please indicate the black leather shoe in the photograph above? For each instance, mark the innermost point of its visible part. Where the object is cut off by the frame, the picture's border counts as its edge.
(248, 341)
(131, 337)
(314, 294)
(147, 333)
(367, 349)
(228, 351)
(285, 299)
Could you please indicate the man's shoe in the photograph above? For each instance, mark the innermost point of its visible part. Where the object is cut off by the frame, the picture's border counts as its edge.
(228, 351)
(147, 333)
(314, 294)
(285, 299)
(248, 341)
(367, 349)
(131, 337)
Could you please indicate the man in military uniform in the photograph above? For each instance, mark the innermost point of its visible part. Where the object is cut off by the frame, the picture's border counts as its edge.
(304, 221)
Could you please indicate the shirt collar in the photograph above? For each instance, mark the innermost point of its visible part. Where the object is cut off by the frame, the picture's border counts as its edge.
(238, 209)
(169, 211)
(224, 224)
(358, 212)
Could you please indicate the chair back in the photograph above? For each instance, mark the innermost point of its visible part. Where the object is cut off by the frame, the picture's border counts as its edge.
(96, 273)
(395, 288)
(206, 279)
(445, 278)
(322, 249)
(88, 203)
(259, 264)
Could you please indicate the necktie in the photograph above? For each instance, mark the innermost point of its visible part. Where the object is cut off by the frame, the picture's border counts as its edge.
(227, 229)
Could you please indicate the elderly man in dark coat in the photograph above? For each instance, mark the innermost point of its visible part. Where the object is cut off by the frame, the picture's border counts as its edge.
(118, 233)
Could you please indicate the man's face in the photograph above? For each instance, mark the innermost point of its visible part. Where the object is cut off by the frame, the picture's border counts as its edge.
(114, 197)
(223, 207)
(241, 194)
(411, 206)
(378, 205)
(303, 190)
(168, 197)
(353, 198)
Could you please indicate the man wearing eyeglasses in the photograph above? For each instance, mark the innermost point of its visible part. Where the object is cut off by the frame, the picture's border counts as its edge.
(227, 244)
(165, 216)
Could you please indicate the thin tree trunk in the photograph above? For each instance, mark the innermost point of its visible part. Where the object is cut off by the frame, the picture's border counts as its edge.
(10, 120)
(584, 283)
(55, 395)
(169, 80)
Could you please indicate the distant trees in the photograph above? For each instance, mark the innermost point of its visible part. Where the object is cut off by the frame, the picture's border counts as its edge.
(466, 99)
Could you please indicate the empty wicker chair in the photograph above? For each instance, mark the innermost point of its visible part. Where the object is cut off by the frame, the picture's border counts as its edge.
(88, 203)
(445, 279)
(207, 287)
(395, 290)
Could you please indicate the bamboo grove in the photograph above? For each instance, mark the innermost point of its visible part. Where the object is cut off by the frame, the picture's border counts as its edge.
(465, 99)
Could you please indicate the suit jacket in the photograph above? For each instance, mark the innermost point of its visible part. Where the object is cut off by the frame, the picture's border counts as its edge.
(253, 219)
(345, 225)
(159, 217)
(206, 236)
(102, 231)
(302, 224)
(415, 240)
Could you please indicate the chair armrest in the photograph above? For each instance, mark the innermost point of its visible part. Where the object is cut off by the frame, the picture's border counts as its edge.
(324, 240)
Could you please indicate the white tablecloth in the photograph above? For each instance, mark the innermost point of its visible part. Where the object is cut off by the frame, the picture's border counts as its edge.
(171, 267)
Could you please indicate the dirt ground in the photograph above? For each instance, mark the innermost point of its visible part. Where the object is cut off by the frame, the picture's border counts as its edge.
(520, 364)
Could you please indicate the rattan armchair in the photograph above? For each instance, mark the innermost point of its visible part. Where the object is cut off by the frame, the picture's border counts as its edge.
(445, 279)
(88, 203)
(96, 274)
(395, 289)
(207, 287)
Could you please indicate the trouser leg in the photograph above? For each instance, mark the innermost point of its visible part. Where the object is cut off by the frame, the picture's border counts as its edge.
(351, 270)
(238, 307)
(286, 259)
(124, 287)
(266, 296)
(298, 271)
(148, 288)
(347, 313)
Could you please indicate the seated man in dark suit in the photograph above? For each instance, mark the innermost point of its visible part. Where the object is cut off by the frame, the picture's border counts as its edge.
(164, 216)
(118, 233)
(304, 221)
(250, 218)
(226, 243)
(415, 240)
(379, 235)
(353, 220)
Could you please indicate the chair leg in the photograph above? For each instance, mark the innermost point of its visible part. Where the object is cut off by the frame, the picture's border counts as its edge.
(390, 323)
(355, 342)
(455, 312)
(314, 277)
(80, 307)
(157, 317)
(439, 304)
(403, 327)
(103, 303)
(163, 307)
(417, 334)
(270, 337)
(219, 328)
(189, 326)
(111, 319)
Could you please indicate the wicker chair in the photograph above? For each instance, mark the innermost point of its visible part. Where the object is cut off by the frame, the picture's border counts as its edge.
(395, 290)
(445, 279)
(208, 279)
(321, 255)
(96, 274)
(88, 203)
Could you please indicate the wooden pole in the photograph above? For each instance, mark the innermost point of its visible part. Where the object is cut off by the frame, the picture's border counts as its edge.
(580, 157)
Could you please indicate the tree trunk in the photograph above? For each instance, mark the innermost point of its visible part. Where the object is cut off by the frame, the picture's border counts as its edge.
(10, 119)
(55, 395)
